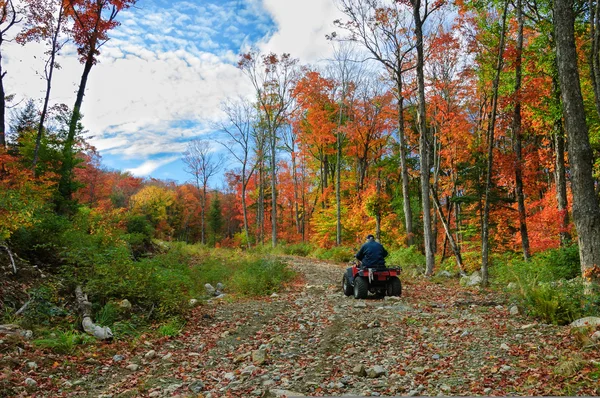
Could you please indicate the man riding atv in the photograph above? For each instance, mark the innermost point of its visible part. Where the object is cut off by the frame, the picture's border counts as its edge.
(372, 254)
(371, 275)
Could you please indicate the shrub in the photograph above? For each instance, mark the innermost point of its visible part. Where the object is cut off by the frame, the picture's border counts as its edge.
(546, 285)
(64, 342)
(338, 254)
(172, 328)
(298, 249)
(409, 258)
(260, 277)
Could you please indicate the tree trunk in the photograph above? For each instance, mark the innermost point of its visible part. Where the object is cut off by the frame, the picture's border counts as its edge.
(586, 211)
(517, 131)
(455, 248)
(203, 215)
(245, 206)
(273, 188)
(2, 106)
(378, 208)
(338, 183)
(559, 172)
(485, 230)
(65, 185)
(404, 167)
(85, 310)
(593, 57)
(423, 140)
(261, 205)
(50, 72)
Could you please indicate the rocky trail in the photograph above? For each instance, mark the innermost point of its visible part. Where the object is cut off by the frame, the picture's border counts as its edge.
(437, 339)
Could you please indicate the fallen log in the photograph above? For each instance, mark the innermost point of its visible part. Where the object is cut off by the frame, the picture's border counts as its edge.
(12, 260)
(85, 309)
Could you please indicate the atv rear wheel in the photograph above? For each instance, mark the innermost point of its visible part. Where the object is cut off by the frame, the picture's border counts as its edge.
(394, 287)
(346, 286)
(361, 288)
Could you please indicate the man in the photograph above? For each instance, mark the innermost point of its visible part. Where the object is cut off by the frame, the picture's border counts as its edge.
(372, 254)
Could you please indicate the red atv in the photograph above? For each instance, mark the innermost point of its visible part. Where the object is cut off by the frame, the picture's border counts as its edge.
(381, 281)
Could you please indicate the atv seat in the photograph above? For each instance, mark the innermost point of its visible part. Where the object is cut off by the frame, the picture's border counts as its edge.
(380, 267)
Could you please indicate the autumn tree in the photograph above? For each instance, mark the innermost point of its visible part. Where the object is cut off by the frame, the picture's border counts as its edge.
(383, 28)
(202, 164)
(92, 21)
(272, 77)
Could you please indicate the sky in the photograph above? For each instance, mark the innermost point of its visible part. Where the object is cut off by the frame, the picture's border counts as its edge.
(166, 69)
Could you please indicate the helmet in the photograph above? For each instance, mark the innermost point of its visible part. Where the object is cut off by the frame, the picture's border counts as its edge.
(370, 237)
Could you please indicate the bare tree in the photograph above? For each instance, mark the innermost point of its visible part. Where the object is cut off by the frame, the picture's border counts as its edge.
(202, 164)
(272, 77)
(45, 22)
(240, 128)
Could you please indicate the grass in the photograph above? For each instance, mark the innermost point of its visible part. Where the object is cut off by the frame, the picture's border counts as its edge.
(172, 328)
(64, 342)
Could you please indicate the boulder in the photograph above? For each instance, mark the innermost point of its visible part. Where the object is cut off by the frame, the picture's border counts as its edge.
(514, 310)
(473, 280)
(196, 387)
(359, 370)
(276, 393)
(259, 356)
(587, 321)
(445, 274)
(210, 290)
(125, 305)
(376, 371)
(30, 383)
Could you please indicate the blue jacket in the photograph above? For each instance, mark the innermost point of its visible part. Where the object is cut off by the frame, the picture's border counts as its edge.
(372, 254)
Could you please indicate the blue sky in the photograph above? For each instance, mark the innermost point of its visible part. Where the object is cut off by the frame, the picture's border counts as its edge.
(167, 68)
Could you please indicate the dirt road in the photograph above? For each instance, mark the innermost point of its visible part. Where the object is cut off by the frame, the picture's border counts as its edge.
(438, 339)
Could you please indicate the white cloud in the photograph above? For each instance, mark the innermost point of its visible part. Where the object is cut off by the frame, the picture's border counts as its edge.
(163, 74)
(146, 168)
(301, 28)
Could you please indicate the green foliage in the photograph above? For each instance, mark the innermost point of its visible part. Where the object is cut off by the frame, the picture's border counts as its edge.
(547, 286)
(409, 258)
(43, 308)
(338, 254)
(107, 315)
(139, 235)
(215, 218)
(64, 342)
(260, 277)
(298, 249)
(172, 328)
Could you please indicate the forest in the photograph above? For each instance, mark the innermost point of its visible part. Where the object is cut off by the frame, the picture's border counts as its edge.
(464, 134)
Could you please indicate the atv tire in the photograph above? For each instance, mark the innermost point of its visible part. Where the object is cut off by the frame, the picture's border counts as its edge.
(394, 287)
(346, 286)
(361, 288)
